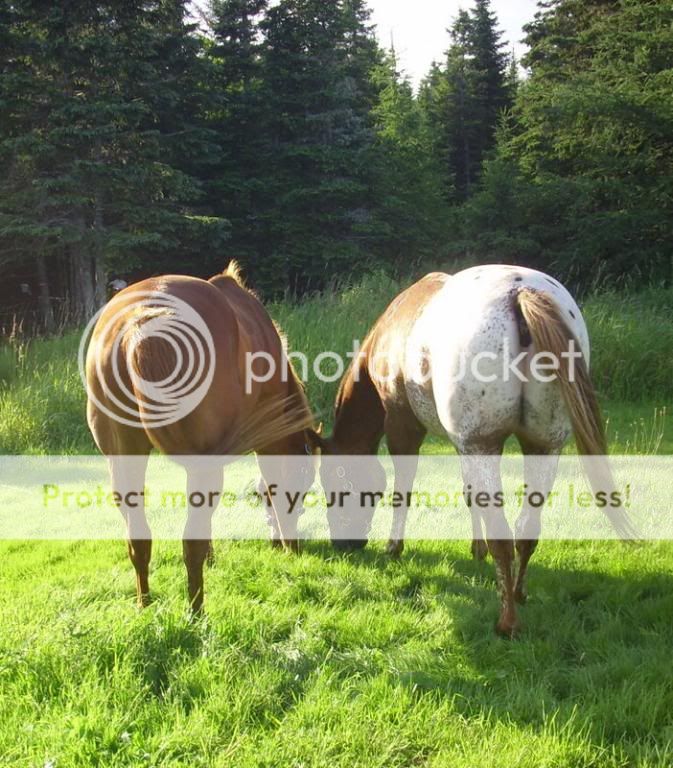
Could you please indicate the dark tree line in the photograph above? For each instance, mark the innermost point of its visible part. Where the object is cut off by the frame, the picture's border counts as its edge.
(582, 179)
(135, 140)
(103, 134)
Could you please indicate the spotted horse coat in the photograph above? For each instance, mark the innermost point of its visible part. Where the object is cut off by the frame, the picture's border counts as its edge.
(453, 356)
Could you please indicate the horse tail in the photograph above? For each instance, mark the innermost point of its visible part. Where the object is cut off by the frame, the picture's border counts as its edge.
(150, 357)
(550, 334)
(271, 422)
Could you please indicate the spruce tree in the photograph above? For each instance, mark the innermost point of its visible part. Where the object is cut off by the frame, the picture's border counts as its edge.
(237, 184)
(96, 149)
(586, 162)
(490, 64)
(434, 106)
(473, 85)
(317, 59)
(463, 112)
(410, 208)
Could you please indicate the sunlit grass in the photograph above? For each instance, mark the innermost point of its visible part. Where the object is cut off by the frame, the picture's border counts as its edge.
(320, 660)
(330, 661)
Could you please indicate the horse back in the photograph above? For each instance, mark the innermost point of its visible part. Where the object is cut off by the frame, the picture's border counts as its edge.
(385, 347)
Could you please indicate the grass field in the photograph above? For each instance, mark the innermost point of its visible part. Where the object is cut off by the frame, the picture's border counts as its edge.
(326, 660)
(320, 660)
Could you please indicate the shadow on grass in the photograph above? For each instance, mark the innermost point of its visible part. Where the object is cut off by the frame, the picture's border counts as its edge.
(593, 645)
(593, 655)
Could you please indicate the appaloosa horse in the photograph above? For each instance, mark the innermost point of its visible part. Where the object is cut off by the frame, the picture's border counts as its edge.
(414, 377)
(139, 352)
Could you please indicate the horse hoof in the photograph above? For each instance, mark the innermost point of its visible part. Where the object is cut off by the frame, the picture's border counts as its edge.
(349, 545)
(395, 549)
(520, 595)
(507, 629)
(144, 600)
(479, 549)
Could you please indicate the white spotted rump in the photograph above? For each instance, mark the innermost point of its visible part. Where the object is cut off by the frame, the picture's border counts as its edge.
(457, 354)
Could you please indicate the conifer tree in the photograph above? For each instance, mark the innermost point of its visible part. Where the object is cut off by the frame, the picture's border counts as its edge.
(473, 85)
(586, 163)
(95, 151)
(410, 207)
(317, 60)
(237, 183)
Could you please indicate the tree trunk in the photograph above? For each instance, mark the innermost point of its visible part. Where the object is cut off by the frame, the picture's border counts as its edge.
(99, 273)
(81, 298)
(100, 276)
(82, 287)
(466, 142)
(85, 279)
(44, 294)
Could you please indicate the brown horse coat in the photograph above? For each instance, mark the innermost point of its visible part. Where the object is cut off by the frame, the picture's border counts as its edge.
(238, 413)
(228, 420)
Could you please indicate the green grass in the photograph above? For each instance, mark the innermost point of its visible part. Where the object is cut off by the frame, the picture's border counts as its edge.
(42, 400)
(632, 344)
(320, 660)
(324, 660)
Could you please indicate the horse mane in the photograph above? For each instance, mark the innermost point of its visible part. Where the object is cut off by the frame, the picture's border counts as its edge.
(235, 272)
(280, 417)
(358, 410)
(300, 389)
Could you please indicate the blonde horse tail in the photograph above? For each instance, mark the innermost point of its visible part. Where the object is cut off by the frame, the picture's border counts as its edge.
(150, 358)
(551, 334)
(271, 422)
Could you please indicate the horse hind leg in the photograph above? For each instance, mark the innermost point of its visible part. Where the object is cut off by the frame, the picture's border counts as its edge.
(484, 495)
(479, 547)
(204, 488)
(540, 467)
(128, 480)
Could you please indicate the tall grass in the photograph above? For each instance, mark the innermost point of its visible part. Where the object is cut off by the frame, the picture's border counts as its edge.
(331, 322)
(632, 344)
(42, 402)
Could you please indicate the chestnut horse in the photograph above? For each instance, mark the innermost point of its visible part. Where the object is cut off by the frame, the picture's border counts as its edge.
(141, 342)
(407, 382)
